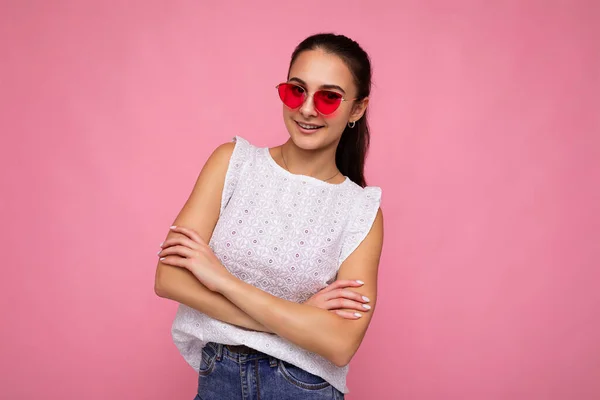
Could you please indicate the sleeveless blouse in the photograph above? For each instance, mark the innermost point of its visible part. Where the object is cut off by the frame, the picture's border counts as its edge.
(287, 235)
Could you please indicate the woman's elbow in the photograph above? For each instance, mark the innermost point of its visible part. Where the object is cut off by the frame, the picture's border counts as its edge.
(160, 287)
(159, 290)
(343, 354)
(341, 359)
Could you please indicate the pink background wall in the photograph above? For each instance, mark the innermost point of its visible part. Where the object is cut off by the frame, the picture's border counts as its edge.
(486, 140)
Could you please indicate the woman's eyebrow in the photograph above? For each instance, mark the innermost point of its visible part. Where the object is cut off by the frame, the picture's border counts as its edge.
(300, 81)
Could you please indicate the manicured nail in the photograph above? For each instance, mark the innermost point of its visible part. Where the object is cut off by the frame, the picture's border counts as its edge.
(360, 282)
(365, 298)
(158, 252)
(162, 244)
(162, 258)
(358, 315)
(366, 306)
(173, 227)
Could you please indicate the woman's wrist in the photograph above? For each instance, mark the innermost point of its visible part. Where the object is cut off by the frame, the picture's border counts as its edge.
(227, 284)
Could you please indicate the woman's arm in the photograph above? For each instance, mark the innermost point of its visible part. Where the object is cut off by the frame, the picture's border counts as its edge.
(181, 286)
(201, 212)
(314, 329)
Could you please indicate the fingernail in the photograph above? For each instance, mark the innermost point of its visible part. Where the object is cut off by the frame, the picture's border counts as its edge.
(161, 258)
(158, 252)
(358, 315)
(173, 227)
(366, 306)
(365, 298)
(162, 244)
(360, 282)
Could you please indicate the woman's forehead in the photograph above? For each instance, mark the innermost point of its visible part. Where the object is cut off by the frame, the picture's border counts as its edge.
(317, 68)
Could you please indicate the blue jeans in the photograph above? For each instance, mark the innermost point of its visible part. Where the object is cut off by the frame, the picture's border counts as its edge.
(226, 374)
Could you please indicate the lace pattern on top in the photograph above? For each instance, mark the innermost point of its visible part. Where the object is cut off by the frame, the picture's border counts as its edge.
(287, 235)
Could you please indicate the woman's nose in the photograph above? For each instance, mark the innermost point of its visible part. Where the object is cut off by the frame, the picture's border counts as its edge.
(308, 108)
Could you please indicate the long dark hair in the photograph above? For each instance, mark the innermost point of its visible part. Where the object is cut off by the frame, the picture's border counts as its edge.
(354, 144)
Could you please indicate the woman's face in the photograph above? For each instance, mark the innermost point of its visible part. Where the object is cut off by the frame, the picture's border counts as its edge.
(314, 70)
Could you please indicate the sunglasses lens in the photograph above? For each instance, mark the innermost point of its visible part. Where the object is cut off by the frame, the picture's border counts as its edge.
(291, 95)
(327, 101)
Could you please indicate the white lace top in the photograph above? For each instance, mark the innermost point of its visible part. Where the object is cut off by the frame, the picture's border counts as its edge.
(286, 234)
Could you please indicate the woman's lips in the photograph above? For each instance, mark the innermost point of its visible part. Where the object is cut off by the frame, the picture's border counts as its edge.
(306, 130)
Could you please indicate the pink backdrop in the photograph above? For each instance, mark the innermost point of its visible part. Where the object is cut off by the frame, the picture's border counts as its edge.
(485, 141)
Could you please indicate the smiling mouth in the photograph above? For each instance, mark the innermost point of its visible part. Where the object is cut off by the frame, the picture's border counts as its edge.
(308, 126)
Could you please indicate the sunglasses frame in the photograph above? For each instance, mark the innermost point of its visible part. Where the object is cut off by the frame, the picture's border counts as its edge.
(308, 94)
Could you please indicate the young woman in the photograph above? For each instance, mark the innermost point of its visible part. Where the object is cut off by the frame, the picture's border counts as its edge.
(274, 256)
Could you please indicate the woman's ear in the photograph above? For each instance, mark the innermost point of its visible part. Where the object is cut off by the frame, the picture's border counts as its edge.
(358, 110)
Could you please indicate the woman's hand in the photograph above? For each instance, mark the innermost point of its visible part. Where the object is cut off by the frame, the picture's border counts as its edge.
(338, 299)
(193, 253)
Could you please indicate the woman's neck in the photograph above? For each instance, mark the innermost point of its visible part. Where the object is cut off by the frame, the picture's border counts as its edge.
(319, 164)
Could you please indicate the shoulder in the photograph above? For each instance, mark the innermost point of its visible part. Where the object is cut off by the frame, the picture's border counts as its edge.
(237, 149)
(357, 189)
(225, 151)
(368, 197)
(222, 154)
(365, 219)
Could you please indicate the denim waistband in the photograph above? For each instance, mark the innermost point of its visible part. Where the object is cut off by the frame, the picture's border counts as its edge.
(240, 353)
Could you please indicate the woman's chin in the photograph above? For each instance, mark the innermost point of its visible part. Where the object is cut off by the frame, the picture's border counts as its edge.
(306, 142)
